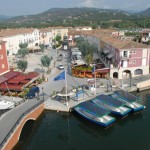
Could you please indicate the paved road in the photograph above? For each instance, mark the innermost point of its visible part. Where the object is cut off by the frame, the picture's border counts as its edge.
(8, 120)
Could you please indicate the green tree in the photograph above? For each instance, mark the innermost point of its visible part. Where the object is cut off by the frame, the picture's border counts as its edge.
(23, 45)
(58, 38)
(46, 61)
(89, 58)
(22, 65)
(23, 52)
(42, 46)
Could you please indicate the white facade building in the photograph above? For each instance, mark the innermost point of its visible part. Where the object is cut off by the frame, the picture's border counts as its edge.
(14, 37)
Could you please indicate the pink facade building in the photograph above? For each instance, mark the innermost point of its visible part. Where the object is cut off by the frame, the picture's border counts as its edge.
(125, 58)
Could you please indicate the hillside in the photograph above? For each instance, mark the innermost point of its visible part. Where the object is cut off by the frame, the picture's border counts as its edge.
(3, 17)
(94, 17)
(70, 14)
(145, 12)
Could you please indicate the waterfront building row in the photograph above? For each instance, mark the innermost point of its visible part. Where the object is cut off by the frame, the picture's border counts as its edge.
(124, 57)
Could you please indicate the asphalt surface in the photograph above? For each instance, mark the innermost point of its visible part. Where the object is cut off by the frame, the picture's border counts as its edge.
(8, 120)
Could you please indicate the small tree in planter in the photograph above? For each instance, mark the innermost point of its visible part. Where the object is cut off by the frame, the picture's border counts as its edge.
(22, 65)
(46, 61)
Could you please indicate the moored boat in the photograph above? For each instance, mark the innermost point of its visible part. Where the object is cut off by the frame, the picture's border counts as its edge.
(94, 113)
(130, 100)
(114, 105)
(6, 105)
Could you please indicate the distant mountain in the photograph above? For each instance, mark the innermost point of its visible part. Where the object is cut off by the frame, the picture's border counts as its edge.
(3, 17)
(94, 17)
(70, 14)
(145, 12)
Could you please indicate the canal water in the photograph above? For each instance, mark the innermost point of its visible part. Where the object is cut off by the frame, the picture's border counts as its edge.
(63, 131)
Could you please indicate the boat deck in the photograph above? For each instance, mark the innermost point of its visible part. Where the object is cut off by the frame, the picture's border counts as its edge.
(110, 100)
(94, 109)
(127, 96)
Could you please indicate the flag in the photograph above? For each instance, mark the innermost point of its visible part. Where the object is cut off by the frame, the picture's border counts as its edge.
(93, 69)
(61, 76)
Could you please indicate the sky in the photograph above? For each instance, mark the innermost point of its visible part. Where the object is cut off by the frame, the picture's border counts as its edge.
(28, 7)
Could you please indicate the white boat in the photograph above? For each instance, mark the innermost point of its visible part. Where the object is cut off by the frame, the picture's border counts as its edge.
(6, 105)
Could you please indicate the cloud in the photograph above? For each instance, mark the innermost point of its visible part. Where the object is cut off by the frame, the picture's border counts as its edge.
(88, 3)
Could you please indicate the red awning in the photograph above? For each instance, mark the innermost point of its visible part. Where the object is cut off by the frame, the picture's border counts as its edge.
(14, 81)
(104, 70)
(11, 87)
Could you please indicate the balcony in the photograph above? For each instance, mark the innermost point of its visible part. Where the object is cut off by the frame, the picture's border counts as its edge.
(125, 57)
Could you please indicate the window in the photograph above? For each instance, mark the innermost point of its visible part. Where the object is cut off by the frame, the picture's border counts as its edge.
(124, 53)
(1, 56)
(138, 72)
(132, 62)
(3, 66)
(133, 52)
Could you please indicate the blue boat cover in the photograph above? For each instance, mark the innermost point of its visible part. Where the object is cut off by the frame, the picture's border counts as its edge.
(93, 108)
(126, 96)
(110, 100)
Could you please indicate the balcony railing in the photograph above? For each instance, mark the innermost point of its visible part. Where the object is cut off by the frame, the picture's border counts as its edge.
(125, 57)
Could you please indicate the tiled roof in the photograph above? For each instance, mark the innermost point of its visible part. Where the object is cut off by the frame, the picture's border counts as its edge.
(118, 42)
(12, 32)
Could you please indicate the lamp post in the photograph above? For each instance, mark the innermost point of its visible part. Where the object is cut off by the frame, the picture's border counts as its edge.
(43, 92)
(107, 84)
(130, 79)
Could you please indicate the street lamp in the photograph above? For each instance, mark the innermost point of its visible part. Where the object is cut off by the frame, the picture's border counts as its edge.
(107, 84)
(130, 79)
(43, 92)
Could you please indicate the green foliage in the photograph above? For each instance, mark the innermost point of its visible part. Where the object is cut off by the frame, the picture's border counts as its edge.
(84, 68)
(22, 65)
(86, 49)
(42, 46)
(89, 58)
(23, 52)
(46, 61)
(58, 38)
(23, 45)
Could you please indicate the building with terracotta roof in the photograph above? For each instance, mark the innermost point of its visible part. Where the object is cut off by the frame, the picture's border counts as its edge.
(125, 58)
(145, 33)
(14, 37)
(46, 37)
(3, 58)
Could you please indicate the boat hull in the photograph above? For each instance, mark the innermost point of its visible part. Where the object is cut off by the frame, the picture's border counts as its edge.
(102, 121)
(121, 111)
(134, 106)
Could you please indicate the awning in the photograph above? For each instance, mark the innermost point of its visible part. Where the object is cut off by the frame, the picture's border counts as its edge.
(34, 48)
(110, 55)
(106, 51)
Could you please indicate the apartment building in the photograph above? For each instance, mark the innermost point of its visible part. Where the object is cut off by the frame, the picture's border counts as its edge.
(125, 58)
(145, 33)
(14, 37)
(46, 37)
(61, 31)
(3, 58)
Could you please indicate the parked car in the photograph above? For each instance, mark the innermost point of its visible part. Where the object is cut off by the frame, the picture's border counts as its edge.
(32, 92)
(61, 67)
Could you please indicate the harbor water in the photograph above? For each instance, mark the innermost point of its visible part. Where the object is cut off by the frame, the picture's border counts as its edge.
(68, 131)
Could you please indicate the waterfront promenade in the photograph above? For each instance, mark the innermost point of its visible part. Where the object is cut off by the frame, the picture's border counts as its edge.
(9, 119)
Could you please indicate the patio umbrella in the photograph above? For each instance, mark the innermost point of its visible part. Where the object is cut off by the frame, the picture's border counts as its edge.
(63, 92)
